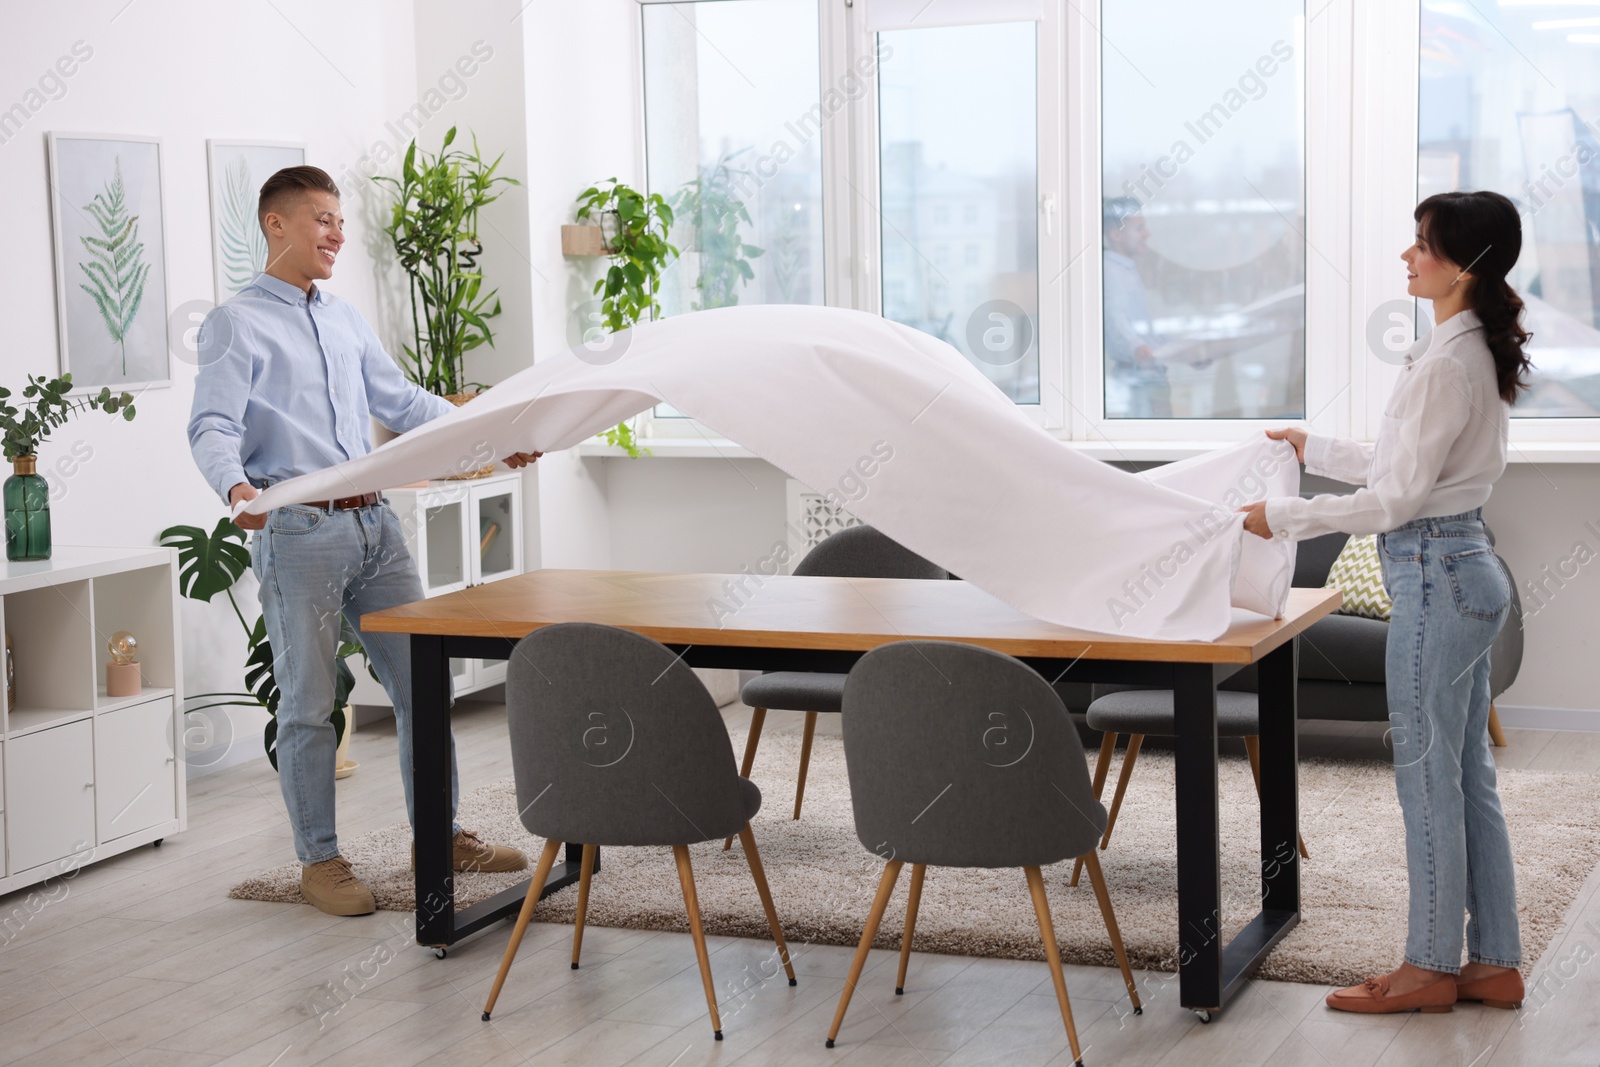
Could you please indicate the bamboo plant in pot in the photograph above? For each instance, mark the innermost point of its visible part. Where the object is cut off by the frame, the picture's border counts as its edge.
(434, 228)
(45, 407)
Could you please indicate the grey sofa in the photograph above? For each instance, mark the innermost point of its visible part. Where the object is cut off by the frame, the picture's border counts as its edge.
(1342, 656)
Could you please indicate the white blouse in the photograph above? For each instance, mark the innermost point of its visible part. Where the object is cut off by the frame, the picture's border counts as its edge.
(1439, 451)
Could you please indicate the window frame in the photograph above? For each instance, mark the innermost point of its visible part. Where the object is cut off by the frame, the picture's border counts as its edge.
(1360, 108)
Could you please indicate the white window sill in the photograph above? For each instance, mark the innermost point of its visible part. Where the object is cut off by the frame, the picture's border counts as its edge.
(1110, 451)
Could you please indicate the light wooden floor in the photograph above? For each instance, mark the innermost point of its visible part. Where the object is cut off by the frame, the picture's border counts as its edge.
(141, 959)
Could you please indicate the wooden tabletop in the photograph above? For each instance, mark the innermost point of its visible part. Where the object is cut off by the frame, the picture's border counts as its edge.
(851, 614)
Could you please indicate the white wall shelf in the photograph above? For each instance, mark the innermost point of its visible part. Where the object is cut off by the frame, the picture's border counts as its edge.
(85, 775)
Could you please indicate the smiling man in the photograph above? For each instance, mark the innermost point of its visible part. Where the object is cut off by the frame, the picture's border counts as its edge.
(289, 380)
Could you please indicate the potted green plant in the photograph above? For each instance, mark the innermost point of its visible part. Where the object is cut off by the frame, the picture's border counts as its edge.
(716, 213)
(209, 564)
(46, 407)
(434, 228)
(639, 251)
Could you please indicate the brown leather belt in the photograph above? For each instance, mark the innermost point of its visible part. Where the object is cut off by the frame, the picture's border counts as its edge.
(344, 503)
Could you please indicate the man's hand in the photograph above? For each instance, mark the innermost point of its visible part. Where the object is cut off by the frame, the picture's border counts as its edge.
(1144, 355)
(521, 459)
(246, 491)
(1295, 437)
(1255, 516)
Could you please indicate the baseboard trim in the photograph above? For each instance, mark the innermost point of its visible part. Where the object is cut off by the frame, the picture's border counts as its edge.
(1530, 717)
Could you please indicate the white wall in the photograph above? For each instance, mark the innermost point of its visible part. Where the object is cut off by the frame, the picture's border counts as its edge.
(182, 70)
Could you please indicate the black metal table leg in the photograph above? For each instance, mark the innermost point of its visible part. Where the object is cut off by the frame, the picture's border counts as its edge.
(430, 771)
(1280, 792)
(1200, 979)
(438, 923)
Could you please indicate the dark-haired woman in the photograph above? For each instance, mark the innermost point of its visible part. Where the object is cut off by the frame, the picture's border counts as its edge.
(1441, 447)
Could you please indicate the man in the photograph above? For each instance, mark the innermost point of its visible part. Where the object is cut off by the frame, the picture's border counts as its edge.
(289, 377)
(1130, 360)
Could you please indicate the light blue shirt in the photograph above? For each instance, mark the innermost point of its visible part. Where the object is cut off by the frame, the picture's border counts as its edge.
(288, 385)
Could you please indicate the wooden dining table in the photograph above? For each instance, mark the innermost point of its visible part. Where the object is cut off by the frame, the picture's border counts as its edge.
(790, 623)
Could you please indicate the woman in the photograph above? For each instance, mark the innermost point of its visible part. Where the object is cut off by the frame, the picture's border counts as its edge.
(1441, 447)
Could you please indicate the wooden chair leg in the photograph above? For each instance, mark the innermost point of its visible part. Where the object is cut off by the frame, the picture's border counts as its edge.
(891, 874)
(547, 860)
(805, 760)
(1252, 748)
(1097, 879)
(757, 717)
(1052, 955)
(691, 904)
(917, 871)
(1108, 747)
(586, 872)
(747, 839)
(1496, 734)
(1128, 758)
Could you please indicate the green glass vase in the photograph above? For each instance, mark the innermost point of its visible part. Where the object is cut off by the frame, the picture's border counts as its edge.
(27, 512)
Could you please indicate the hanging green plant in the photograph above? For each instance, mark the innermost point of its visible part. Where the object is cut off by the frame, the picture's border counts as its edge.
(710, 204)
(639, 253)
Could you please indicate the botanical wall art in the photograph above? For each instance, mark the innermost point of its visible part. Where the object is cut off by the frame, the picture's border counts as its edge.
(110, 259)
(238, 169)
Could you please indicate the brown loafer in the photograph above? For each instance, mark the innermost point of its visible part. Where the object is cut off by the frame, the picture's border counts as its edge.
(470, 853)
(1503, 990)
(1372, 997)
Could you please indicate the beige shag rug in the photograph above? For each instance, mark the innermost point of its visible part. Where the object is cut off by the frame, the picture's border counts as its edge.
(1353, 889)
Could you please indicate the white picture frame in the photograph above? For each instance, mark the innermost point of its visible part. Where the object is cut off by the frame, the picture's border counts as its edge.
(108, 238)
(235, 173)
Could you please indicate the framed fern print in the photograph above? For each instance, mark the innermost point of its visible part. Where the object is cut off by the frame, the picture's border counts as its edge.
(238, 169)
(110, 259)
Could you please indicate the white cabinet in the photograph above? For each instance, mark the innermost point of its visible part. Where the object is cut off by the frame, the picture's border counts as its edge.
(84, 774)
(461, 534)
(51, 814)
(133, 763)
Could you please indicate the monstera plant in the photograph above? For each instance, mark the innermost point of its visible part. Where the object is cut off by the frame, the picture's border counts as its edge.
(209, 564)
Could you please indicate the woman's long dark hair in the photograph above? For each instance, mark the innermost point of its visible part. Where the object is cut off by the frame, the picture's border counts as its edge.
(1481, 233)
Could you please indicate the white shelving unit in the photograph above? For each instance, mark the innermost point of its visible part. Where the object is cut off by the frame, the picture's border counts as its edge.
(461, 533)
(85, 775)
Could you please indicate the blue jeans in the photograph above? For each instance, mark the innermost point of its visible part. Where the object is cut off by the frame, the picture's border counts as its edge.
(313, 566)
(1451, 596)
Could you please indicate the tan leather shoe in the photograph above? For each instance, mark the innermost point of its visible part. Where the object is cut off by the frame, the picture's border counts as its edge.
(332, 887)
(1503, 990)
(470, 853)
(1372, 997)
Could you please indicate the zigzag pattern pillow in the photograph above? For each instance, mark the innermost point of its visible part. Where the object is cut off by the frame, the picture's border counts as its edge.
(1358, 574)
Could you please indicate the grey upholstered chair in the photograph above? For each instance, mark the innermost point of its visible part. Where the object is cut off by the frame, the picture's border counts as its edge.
(1141, 712)
(854, 552)
(960, 756)
(614, 741)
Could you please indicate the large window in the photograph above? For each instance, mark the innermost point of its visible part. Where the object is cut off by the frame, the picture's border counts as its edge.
(1139, 219)
(732, 124)
(958, 174)
(1510, 101)
(1203, 213)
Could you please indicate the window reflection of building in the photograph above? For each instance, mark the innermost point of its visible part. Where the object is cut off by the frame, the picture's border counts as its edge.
(949, 233)
(1509, 102)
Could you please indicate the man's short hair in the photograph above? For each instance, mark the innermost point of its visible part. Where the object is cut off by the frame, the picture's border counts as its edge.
(1116, 210)
(289, 184)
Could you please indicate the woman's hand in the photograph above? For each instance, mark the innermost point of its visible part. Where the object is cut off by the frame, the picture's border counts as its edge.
(1295, 437)
(1255, 516)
